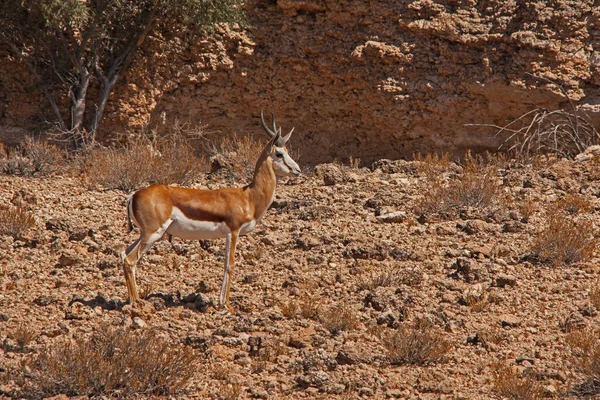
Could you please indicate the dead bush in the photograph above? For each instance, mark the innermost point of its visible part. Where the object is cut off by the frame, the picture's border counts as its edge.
(585, 350)
(177, 162)
(564, 132)
(419, 343)
(338, 318)
(112, 362)
(509, 384)
(432, 166)
(564, 241)
(23, 335)
(127, 168)
(574, 204)
(32, 157)
(237, 155)
(476, 191)
(168, 160)
(15, 221)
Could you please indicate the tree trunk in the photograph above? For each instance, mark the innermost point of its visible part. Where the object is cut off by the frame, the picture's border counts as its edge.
(78, 109)
(105, 91)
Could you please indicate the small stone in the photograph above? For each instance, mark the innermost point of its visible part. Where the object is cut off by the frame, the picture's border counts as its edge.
(138, 323)
(78, 311)
(43, 301)
(347, 356)
(513, 227)
(387, 318)
(331, 174)
(509, 321)
(503, 280)
(393, 217)
(68, 259)
(550, 390)
(56, 225)
(296, 343)
(77, 235)
(395, 394)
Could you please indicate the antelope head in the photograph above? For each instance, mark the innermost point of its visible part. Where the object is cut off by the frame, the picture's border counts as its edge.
(283, 164)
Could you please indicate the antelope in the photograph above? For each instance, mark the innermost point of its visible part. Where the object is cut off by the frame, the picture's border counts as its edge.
(198, 214)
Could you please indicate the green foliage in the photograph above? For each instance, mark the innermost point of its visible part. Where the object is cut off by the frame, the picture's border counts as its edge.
(74, 45)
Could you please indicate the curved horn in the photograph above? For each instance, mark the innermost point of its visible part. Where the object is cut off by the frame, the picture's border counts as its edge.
(264, 124)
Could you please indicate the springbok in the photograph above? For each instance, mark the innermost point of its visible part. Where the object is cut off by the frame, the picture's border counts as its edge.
(198, 214)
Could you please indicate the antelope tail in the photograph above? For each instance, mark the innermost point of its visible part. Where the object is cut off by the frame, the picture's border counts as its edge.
(130, 224)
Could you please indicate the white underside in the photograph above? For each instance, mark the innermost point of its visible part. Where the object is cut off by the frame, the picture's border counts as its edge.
(186, 228)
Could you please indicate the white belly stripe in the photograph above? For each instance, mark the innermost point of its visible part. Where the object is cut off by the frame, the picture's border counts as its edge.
(187, 228)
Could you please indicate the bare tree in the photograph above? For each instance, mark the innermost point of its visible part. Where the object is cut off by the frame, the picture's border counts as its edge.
(73, 45)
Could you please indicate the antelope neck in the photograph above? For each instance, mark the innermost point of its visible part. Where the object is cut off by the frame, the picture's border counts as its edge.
(262, 188)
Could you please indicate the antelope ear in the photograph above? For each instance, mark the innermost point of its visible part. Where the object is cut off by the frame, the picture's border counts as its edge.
(287, 137)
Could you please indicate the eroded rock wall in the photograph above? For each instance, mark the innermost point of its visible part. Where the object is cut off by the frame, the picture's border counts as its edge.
(367, 79)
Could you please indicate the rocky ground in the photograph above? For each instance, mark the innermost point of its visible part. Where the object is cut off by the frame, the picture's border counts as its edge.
(344, 258)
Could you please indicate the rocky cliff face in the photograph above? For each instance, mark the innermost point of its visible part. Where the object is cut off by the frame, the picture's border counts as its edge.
(367, 79)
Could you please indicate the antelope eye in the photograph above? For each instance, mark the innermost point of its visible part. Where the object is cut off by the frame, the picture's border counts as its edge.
(279, 154)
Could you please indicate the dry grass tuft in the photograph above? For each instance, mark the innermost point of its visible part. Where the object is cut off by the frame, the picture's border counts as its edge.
(432, 166)
(476, 191)
(419, 343)
(15, 221)
(126, 169)
(574, 204)
(23, 335)
(306, 306)
(237, 155)
(585, 348)
(112, 362)
(564, 241)
(509, 384)
(338, 318)
(168, 160)
(564, 132)
(32, 157)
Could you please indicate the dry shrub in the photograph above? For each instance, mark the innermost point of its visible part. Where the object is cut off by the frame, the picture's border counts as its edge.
(306, 306)
(419, 343)
(394, 276)
(177, 162)
(527, 208)
(476, 190)
(112, 362)
(477, 303)
(168, 160)
(564, 241)
(432, 166)
(290, 309)
(585, 349)
(126, 168)
(15, 221)
(338, 318)
(564, 132)
(23, 335)
(509, 384)
(32, 157)
(573, 204)
(237, 155)
(229, 390)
